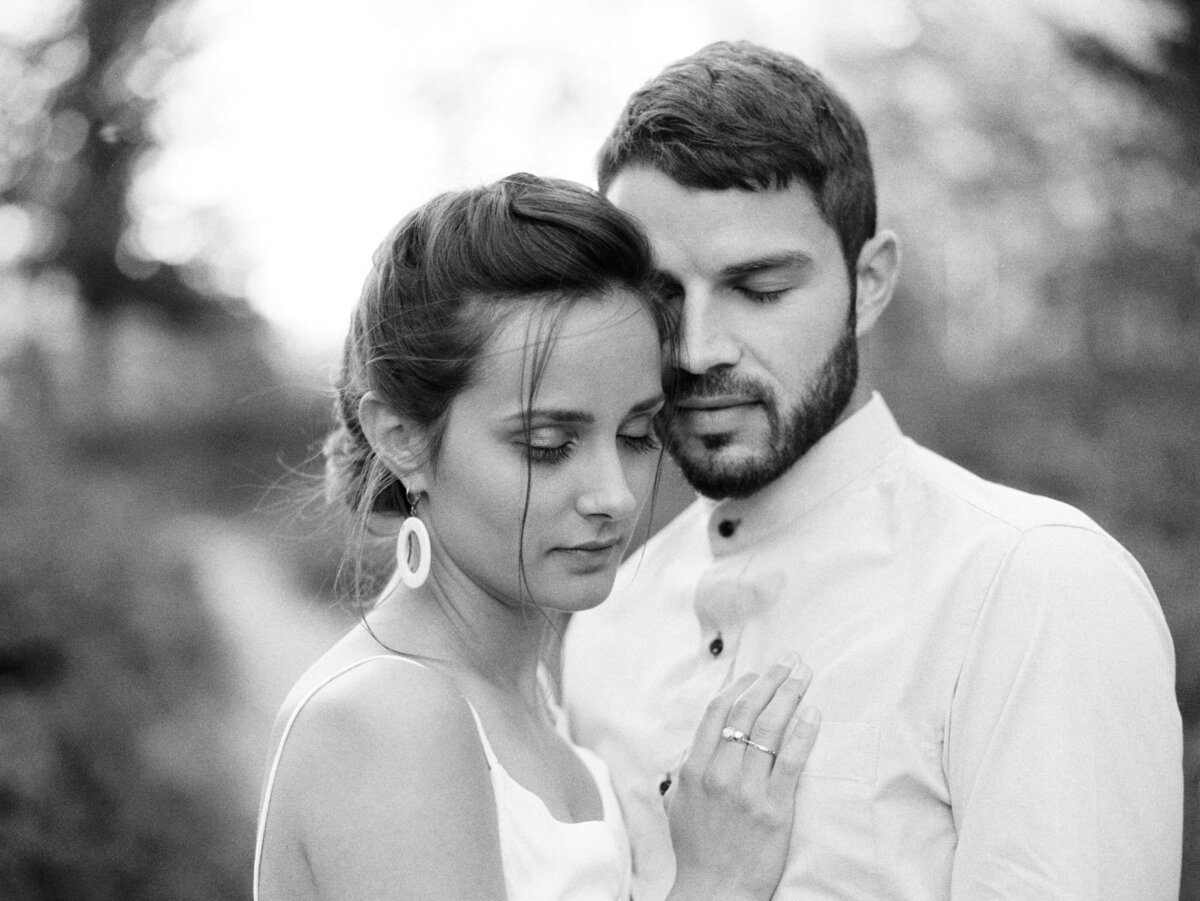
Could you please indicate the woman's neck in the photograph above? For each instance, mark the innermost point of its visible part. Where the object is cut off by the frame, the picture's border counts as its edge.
(453, 620)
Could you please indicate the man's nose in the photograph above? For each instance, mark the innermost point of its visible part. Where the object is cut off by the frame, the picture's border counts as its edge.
(706, 337)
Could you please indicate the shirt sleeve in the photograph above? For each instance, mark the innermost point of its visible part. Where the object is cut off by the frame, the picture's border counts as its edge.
(1064, 742)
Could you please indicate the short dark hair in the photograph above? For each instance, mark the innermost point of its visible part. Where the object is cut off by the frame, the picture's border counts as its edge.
(739, 115)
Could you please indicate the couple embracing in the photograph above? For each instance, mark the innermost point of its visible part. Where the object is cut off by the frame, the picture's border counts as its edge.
(849, 670)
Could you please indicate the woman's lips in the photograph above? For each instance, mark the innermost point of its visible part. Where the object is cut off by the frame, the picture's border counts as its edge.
(593, 546)
(591, 556)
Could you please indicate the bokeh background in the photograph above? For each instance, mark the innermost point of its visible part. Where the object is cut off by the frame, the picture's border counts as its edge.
(190, 191)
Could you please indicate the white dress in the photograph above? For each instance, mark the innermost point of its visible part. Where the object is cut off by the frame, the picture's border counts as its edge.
(544, 859)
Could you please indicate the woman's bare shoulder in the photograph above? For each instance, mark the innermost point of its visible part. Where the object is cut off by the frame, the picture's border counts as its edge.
(384, 706)
(384, 766)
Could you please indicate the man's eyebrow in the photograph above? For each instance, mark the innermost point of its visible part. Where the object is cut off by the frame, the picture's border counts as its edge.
(790, 260)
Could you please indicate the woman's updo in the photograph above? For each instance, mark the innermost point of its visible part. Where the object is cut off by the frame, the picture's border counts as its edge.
(439, 288)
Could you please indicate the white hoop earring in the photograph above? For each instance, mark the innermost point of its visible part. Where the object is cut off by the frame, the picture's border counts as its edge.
(412, 528)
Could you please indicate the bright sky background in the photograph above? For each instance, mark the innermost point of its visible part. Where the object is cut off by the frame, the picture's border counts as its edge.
(313, 127)
(302, 131)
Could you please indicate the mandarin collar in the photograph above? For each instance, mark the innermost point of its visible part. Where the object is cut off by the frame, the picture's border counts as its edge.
(853, 447)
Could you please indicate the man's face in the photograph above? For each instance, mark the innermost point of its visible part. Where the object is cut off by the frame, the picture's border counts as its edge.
(768, 361)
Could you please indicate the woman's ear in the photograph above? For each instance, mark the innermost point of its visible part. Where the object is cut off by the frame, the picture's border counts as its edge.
(396, 440)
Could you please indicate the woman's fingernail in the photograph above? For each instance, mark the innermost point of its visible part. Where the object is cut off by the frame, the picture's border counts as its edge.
(810, 716)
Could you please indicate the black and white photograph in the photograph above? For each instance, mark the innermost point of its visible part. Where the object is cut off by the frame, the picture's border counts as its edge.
(600, 450)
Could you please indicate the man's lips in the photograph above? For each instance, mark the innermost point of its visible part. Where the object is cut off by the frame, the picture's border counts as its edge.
(715, 403)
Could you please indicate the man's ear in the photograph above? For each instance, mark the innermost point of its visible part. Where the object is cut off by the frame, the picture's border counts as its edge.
(398, 442)
(877, 270)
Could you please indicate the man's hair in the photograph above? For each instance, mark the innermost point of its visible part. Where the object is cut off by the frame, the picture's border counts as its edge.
(738, 115)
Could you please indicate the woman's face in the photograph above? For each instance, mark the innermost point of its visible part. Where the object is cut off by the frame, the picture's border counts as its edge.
(589, 456)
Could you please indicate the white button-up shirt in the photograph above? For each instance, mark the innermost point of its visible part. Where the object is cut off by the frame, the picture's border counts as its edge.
(994, 672)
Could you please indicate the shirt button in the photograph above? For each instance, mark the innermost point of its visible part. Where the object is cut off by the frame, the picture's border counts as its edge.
(727, 527)
(716, 646)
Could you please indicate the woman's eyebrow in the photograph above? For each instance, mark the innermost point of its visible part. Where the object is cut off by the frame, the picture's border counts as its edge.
(551, 414)
(565, 415)
(648, 404)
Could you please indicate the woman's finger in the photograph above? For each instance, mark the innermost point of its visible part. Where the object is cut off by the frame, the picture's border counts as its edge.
(793, 753)
(770, 729)
(748, 707)
(716, 714)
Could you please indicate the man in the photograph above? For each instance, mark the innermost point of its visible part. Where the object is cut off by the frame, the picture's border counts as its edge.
(994, 674)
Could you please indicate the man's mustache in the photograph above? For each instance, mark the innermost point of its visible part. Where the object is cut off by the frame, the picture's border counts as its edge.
(682, 385)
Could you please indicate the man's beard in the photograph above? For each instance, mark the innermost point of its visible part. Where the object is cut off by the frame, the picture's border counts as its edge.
(787, 439)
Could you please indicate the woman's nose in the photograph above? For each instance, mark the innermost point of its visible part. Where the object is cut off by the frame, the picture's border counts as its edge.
(608, 493)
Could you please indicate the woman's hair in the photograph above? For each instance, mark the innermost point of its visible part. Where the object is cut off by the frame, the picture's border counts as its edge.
(441, 285)
(739, 115)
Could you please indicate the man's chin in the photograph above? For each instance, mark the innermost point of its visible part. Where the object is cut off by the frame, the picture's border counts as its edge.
(709, 447)
(719, 470)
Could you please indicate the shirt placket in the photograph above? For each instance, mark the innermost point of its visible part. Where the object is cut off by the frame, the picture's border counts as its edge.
(727, 600)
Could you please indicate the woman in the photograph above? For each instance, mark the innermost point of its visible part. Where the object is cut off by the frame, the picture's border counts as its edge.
(500, 386)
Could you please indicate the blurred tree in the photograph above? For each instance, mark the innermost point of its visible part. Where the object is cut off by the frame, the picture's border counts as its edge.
(1172, 80)
(133, 338)
(79, 101)
(117, 778)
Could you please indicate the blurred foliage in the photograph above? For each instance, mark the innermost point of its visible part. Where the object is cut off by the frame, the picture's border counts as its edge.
(1171, 81)
(122, 768)
(112, 781)
(76, 101)
(123, 403)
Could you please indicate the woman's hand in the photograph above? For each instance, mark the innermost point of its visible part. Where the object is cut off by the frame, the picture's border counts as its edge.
(730, 810)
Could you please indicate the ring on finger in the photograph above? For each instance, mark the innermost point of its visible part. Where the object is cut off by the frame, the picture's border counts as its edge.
(731, 734)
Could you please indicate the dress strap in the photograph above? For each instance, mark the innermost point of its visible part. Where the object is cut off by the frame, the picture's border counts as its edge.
(492, 760)
(270, 784)
(550, 695)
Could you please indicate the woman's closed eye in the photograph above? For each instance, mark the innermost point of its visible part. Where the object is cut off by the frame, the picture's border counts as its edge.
(547, 445)
(555, 445)
(638, 431)
(641, 443)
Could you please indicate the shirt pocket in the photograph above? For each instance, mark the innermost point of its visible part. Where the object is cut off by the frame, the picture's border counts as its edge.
(834, 843)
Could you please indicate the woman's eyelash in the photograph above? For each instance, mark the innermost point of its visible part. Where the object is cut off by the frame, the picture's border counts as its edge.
(540, 454)
(642, 443)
